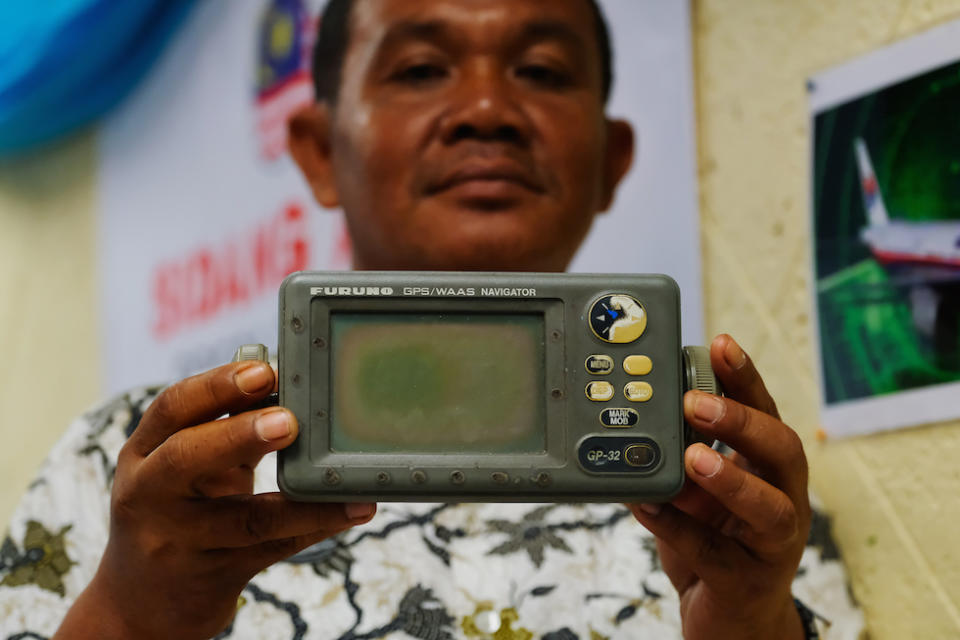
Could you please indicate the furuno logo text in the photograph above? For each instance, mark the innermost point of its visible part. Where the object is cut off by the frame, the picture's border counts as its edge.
(351, 291)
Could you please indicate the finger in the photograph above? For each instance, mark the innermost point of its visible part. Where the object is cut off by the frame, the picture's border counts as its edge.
(694, 501)
(676, 567)
(739, 376)
(229, 483)
(192, 455)
(247, 521)
(258, 557)
(770, 516)
(709, 554)
(697, 503)
(201, 398)
(769, 445)
(700, 505)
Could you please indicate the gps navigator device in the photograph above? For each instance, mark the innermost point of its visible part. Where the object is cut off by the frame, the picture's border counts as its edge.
(519, 387)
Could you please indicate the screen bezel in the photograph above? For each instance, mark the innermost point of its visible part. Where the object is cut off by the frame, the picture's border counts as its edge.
(552, 394)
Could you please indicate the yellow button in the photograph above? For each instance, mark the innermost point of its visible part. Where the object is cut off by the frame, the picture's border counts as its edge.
(599, 365)
(599, 391)
(637, 365)
(638, 391)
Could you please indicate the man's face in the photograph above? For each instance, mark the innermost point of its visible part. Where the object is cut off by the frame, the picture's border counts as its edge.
(470, 134)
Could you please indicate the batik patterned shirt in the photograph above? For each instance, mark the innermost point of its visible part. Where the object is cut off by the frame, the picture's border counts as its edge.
(416, 571)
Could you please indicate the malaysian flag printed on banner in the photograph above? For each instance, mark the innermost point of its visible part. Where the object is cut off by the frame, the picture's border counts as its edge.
(286, 35)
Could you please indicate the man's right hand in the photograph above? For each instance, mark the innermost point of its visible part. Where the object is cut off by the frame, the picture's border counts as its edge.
(186, 531)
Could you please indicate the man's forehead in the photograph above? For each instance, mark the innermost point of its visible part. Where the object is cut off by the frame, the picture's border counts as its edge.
(374, 20)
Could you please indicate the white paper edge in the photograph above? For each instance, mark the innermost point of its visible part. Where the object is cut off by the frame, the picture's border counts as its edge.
(929, 50)
(911, 408)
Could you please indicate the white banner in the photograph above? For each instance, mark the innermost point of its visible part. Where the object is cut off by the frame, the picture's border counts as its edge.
(202, 213)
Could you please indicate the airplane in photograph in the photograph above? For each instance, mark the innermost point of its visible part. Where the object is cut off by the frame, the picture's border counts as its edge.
(921, 256)
(905, 243)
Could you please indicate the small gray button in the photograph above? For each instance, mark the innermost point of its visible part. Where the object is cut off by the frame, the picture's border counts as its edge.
(641, 455)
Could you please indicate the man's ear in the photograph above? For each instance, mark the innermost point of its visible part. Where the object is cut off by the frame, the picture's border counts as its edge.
(308, 137)
(618, 160)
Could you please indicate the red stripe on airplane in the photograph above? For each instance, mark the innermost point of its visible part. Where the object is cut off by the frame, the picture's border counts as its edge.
(912, 258)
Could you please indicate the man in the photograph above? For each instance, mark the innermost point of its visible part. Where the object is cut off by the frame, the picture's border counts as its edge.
(455, 134)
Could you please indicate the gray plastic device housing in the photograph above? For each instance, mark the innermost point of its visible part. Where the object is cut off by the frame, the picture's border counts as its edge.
(310, 470)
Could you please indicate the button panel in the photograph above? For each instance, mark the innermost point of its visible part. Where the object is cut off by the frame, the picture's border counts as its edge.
(599, 365)
(599, 391)
(620, 319)
(637, 365)
(638, 391)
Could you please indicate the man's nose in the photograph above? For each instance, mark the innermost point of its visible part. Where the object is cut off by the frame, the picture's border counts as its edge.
(485, 107)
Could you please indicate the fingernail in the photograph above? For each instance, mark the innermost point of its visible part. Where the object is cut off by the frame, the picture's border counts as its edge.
(734, 355)
(706, 462)
(359, 510)
(650, 508)
(254, 378)
(708, 408)
(273, 425)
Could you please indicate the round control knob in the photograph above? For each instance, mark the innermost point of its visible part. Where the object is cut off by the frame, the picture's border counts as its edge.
(698, 374)
(251, 352)
(697, 371)
(247, 352)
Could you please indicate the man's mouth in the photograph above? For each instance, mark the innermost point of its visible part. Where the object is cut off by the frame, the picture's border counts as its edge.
(487, 180)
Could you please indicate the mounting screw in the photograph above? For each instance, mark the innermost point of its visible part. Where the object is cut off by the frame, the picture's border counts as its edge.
(296, 324)
(319, 343)
(330, 476)
(557, 393)
(457, 477)
(383, 477)
(419, 476)
(556, 335)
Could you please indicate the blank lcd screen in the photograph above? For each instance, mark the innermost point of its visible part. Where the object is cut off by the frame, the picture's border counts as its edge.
(437, 383)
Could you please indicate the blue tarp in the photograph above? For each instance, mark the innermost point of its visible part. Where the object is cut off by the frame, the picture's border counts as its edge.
(63, 63)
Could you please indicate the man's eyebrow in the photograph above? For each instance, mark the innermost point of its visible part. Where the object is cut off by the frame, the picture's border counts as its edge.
(438, 30)
(552, 30)
(430, 30)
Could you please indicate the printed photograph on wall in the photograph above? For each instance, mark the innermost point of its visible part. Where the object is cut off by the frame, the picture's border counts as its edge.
(886, 227)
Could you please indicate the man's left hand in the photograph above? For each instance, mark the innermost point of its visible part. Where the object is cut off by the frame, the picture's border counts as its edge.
(731, 540)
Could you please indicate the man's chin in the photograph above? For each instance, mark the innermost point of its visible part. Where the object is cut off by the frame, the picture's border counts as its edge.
(485, 205)
(490, 253)
(442, 234)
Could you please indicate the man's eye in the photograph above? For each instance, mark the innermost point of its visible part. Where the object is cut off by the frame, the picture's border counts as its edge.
(420, 73)
(544, 76)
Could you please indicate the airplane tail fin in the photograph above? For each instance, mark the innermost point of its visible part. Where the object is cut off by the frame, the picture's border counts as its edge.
(872, 198)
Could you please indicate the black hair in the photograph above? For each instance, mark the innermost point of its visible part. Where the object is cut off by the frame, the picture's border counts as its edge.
(333, 39)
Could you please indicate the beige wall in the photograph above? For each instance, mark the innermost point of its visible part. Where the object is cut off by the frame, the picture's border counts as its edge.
(894, 496)
(48, 317)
